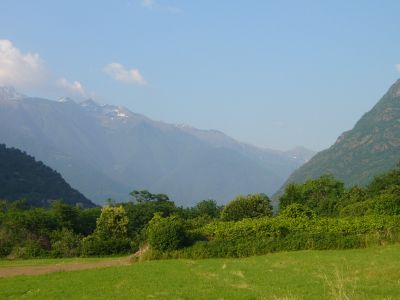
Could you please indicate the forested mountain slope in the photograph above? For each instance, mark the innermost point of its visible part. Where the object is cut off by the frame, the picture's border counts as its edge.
(372, 147)
(22, 177)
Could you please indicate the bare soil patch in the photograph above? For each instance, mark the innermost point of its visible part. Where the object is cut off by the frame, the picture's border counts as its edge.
(37, 270)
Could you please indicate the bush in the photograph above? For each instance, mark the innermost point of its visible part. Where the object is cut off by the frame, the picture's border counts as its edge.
(322, 195)
(250, 206)
(65, 243)
(93, 245)
(264, 235)
(166, 234)
(6, 242)
(358, 209)
(387, 204)
(30, 249)
(297, 210)
(112, 223)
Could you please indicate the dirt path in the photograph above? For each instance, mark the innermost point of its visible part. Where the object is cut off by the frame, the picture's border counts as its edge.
(37, 270)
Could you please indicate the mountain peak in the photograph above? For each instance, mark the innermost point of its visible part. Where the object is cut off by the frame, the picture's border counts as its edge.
(66, 100)
(89, 103)
(394, 90)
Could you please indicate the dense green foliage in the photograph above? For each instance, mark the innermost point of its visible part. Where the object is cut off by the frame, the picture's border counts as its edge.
(296, 210)
(327, 196)
(21, 177)
(55, 231)
(318, 214)
(142, 209)
(321, 195)
(110, 235)
(369, 149)
(263, 235)
(250, 206)
(166, 234)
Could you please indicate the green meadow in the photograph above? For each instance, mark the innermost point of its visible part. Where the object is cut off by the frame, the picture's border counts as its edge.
(371, 273)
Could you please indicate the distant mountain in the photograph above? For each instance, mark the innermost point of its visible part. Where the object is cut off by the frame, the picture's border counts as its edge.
(372, 147)
(108, 151)
(21, 177)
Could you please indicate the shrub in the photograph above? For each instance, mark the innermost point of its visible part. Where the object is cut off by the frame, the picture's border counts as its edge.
(322, 195)
(250, 206)
(358, 209)
(6, 242)
(112, 223)
(263, 235)
(208, 208)
(65, 243)
(30, 249)
(387, 204)
(93, 245)
(166, 234)
(297, 210)
(110, 235)
(140, 213)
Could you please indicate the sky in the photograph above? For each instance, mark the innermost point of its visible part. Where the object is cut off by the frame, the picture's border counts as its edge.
(275, 74)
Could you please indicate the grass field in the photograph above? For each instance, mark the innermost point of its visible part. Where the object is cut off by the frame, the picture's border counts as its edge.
(372, 273)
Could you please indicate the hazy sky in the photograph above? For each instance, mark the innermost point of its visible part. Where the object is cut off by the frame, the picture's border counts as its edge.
(272, 73)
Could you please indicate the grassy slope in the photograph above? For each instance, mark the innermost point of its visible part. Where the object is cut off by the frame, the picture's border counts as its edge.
(372, 273)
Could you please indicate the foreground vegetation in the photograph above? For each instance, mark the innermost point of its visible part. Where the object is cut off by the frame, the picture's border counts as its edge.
(371, 273)
(319, 214)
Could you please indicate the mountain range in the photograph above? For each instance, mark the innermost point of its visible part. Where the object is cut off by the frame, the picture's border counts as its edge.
(106, 151)
(372, 147)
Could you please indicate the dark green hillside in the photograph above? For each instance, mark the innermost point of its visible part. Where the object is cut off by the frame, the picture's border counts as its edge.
(22, 177)
(372, 147)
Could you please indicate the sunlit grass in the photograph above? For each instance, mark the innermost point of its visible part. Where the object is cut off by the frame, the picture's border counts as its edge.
(372, 273)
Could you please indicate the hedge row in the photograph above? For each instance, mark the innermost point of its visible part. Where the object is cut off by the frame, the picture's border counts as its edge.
(264, 235)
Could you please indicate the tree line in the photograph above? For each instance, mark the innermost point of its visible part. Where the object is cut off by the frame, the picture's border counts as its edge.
(318, 214)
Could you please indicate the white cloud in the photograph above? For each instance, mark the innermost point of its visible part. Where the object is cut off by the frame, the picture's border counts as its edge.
(19, 69)
(27, 70)
(398, 67)
(74, 87)
(120, 73)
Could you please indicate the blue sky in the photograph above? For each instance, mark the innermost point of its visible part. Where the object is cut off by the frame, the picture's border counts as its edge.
(272, 73)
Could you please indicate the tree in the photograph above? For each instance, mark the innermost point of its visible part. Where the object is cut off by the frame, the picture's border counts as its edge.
(292, 194)
(146, 196)
(112, 223)
(384, 182)
(321, 195)
(140, 213)
(111, 234)
(166, 234)
(297, 210)
(87, 220)
(208, 208)
(387, 204)
(354, 195)
(250, 206)
(67, 215)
